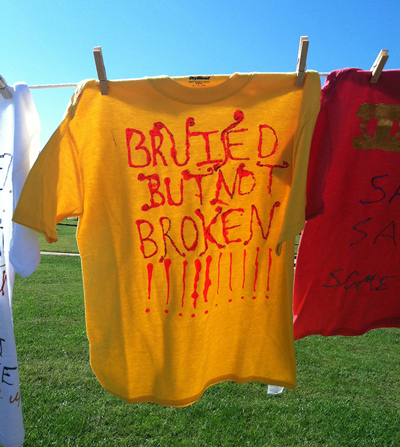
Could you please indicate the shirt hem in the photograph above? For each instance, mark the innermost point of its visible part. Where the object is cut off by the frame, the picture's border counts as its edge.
(381, 324)
(179, 403)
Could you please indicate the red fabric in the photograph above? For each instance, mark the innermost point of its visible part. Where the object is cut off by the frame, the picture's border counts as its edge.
(348, 266)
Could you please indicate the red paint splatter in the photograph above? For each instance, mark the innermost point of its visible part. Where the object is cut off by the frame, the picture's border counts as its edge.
(230, 300)
(185, 263)
(207, 281)
(230, 272)
(149, 276)
(269, 266)
(167, 265)
(256, 272)
(195, 295)
(244, 268)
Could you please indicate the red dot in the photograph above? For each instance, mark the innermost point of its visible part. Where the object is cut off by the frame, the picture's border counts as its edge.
(166, 311)
(206, 312)
(242, 297)
(230, 300)
(147, 310)
(180, 315)
(193, 315)
(267, 297)
(254, 297)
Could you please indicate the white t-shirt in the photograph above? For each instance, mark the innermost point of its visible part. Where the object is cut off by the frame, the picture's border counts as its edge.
(19, 247)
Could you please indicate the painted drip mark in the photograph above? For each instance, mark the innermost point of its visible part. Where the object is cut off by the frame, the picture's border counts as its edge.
(256, 272)
(149, 276)
(185, 263)
(207, 281)
(167, 265)
(195, 295)
(244, 268)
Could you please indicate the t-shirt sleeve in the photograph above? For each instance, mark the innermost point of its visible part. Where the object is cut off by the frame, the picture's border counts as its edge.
(294, 220)
(53, 189)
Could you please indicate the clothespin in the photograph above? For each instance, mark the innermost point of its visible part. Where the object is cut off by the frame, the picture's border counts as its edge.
(4, 92)
(301, 60)
(379, 63)
(101, 71)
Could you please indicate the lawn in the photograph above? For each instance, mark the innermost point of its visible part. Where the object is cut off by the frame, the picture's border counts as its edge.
(347, 394)
(66, 243)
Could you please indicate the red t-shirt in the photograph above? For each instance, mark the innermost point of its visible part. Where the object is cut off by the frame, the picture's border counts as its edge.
(348, 267)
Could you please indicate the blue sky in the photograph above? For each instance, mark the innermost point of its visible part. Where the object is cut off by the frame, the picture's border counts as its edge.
(50, 42)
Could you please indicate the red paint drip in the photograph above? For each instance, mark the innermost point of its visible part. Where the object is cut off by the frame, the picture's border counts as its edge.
(185, 263)
(269, 267)
(149, 276)
(167, 265)
(207, 282)
(230, 272)
(256, 272)
(219, 270)
(244, 268)
(195, 295)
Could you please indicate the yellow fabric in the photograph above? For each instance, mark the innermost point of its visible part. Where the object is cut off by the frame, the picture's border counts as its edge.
(186, 190)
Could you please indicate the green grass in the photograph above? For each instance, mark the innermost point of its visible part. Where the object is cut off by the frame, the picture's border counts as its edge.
(66, 238)
(347, 393)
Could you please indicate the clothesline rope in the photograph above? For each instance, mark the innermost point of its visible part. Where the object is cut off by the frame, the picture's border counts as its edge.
(74, 85)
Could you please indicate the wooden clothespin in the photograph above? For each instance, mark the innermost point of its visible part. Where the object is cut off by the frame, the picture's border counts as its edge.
(302, 60)
(379, 63)
(101, 71)
(4, 92)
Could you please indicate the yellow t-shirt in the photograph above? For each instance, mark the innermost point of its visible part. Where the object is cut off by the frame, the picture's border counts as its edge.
(186, 190)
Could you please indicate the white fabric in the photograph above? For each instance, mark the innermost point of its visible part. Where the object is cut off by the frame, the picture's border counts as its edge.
(274, 389)
(19, 147)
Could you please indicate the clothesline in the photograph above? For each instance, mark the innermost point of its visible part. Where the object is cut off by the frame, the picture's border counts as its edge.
(74, 85)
